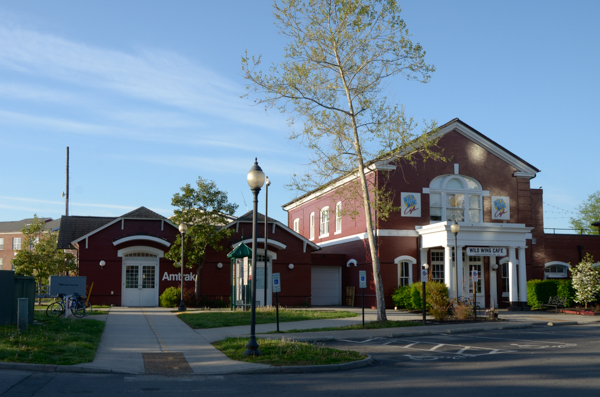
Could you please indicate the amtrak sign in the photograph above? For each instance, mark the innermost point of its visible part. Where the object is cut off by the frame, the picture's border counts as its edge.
(486, 251)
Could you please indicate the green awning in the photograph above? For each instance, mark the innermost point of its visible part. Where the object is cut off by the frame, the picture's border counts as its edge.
(241, 251)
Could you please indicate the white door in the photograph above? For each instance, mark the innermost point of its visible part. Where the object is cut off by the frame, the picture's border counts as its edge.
(140, 284)
(474, 263)
(260, 284)
(326, 285)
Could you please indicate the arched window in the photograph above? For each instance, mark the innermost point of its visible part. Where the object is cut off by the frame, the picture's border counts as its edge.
(556, 269)
(455, 197)
(405, 264)
(297, 225)
(324, 229)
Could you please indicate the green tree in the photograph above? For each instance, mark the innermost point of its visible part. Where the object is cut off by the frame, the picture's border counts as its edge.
(586, 280)
(39, 256)
(205, 210)
(589, 212)
(338, 57)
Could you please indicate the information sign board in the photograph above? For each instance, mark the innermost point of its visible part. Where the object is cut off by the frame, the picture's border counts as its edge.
(276, 282)
(424, 275)
(362, 279)
(67, 285)
(246, 271)
(475, 276)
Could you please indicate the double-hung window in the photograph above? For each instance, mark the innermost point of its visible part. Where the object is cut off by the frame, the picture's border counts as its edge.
(324, 222)
(338, 217)
(1, 243)
(311, 233)
(16, 243)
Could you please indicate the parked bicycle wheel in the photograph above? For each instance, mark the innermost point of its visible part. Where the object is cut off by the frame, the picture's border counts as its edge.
(56, 309)
(88, 308)
(77, 309)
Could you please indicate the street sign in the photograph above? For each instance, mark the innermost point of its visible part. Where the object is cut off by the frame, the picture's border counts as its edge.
(475, 276)
(424, 275)
(276, 283)
(362, 279)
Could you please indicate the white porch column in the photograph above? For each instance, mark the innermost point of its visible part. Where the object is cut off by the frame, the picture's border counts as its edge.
(493, 282)
(423, 259)
(513, 292)
(449, 271)
(461, 275)
(522, 276)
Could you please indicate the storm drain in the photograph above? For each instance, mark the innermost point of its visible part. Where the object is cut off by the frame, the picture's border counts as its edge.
(166, 363)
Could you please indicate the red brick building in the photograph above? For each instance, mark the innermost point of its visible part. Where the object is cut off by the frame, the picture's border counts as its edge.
(125, 258)
(484, 187)
(11, 238)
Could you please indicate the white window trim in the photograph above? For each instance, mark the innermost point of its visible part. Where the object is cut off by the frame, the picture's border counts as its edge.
(411, 261)
(443, 191)
(1, 243)
(443, 263)
(338, 217)
(14, 248)
(297, 225)
(326, 234)
(311, 233)
(556, 275)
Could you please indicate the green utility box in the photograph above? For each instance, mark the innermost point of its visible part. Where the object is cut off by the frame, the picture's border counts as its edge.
(24, 287)
(7, 281)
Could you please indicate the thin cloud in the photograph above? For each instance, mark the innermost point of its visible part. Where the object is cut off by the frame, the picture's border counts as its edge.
(155, 76)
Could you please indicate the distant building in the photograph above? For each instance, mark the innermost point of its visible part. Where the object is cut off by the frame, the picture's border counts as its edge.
(11, 238)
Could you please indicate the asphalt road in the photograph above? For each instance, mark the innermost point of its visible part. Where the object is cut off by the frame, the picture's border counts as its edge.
(549, 361)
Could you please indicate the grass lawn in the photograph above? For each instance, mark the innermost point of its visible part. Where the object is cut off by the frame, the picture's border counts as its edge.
(370, 325)
(263, 316)
(54, 341)
(286, 352)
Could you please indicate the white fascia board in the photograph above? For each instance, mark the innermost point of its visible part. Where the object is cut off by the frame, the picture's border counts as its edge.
(377, 166)
(524, 170)
(284, 227)
(476, 234)
(270, 241)
(142, 237)
(119, 220)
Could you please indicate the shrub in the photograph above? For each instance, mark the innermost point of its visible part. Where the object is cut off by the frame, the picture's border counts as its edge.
(462, 311)
(402, 297)
(416, 298)
(170, 297)
(539, 291)
(564, 288)
(437, 299)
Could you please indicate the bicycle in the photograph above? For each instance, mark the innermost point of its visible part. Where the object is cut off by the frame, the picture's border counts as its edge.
(76, 305)
(57, 308)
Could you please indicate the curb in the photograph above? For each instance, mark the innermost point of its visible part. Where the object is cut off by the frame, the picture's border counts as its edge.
(58, 368)
(307, 369)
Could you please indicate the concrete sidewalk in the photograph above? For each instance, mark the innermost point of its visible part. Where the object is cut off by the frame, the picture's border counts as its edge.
(131, 333)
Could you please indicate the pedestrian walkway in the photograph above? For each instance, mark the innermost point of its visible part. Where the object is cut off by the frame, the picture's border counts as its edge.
(155, 340)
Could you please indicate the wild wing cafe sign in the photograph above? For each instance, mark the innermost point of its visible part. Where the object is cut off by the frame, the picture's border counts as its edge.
(486, 251)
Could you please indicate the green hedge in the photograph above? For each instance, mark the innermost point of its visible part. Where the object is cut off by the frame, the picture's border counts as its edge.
(540, 291)
(409, 297)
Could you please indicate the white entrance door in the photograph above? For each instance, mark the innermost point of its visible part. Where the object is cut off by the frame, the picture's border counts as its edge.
(474, 263)
(260, 284)
(326, 285)
(140, 286)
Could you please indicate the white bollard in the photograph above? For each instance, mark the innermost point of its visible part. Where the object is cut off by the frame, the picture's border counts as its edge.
(22, 314)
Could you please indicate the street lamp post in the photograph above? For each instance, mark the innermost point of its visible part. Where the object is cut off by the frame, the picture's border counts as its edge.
(267, 184)
(455, 228)
(256, 180)
(182, 230)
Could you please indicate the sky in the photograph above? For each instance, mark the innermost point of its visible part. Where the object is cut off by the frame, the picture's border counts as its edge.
(147, 96)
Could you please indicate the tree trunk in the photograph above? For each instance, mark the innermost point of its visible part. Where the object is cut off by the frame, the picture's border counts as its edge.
(381, 315)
